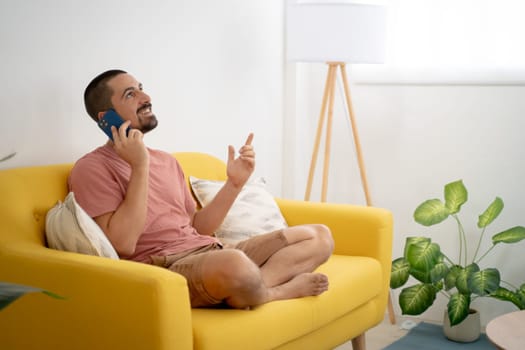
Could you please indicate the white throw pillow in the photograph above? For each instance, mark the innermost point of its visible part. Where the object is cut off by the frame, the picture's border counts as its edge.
(254, 211)
(70, 228)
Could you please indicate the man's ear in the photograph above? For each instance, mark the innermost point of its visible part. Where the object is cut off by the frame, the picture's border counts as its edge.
(100, 115)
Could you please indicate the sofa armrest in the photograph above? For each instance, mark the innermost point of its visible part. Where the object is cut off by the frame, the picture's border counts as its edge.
(357, 230)
(110, 304)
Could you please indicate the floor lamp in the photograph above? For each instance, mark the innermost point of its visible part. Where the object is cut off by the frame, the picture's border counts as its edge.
(336, 33)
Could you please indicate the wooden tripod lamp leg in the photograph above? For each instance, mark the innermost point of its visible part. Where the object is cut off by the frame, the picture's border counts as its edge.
(327, 92)
(359, 152)
(361, 162)
(328, 138)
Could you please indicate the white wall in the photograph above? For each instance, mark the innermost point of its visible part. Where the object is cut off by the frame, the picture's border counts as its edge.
(415, 139)
(212, 68)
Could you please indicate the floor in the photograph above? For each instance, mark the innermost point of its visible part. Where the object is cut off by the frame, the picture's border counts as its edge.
(384, 334)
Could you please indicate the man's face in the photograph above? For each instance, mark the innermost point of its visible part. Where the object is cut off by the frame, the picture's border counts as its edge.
(131, 103)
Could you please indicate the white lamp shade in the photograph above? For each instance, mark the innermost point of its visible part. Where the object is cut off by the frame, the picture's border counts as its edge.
(335, 32)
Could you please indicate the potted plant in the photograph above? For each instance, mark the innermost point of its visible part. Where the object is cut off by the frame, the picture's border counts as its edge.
(460, 281)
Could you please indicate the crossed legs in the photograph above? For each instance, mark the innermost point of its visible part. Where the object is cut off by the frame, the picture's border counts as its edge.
(230, 275)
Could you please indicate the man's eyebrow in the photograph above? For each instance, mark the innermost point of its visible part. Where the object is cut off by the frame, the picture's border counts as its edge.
(131, 88)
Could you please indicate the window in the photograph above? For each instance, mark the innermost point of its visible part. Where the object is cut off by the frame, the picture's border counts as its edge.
(452, 41)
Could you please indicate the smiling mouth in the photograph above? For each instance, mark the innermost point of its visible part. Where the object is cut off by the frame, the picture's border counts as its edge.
(145, 110)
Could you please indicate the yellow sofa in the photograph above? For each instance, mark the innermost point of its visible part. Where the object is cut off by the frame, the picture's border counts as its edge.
(118, 304)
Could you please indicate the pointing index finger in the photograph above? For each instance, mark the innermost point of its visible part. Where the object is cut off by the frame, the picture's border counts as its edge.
(249, 139)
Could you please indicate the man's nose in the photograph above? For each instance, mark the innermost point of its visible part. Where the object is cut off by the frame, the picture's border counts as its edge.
(144, 97)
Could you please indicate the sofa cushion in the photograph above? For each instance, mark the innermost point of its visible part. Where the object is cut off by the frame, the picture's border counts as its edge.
(354, 282)
(70, 228)
(254, 211)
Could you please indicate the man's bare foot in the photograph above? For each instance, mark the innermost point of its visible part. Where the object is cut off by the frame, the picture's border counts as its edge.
(302, 285)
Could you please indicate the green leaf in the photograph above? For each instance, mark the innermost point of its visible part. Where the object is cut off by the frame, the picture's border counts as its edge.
(431, 212)
(9, 292)
(414, 240)
(455, 196)
(491, 213)
(421, 276)
(521, 294)
(53, 295)
(439, 286)
(438, 272)
(417, 299)
(506, 295)
(484, 282)
(423, 255)
(511, 235)
(462, 278)
(400, 273)
(458, 308)
(8, 157)
(451, 277)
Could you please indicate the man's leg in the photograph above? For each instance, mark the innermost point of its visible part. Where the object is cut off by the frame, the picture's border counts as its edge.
(287, 261)
(230, 275)
(308, 247)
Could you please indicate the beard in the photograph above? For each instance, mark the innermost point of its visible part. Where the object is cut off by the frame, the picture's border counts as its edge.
(147, 122)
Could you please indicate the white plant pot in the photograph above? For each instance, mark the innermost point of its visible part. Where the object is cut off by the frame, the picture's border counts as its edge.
(467, 331)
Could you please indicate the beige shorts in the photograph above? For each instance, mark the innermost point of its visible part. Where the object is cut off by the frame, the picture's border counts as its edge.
(189, 263)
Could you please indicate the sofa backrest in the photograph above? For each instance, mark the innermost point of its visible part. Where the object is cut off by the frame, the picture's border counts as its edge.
(27, 193)
(201, 165)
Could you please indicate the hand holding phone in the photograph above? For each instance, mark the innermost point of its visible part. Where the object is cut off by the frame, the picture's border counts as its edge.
(111, 118)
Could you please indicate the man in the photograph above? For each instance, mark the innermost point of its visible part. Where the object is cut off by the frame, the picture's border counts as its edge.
(139, 198)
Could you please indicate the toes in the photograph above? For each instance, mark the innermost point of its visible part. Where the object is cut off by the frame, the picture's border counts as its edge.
(320, 282)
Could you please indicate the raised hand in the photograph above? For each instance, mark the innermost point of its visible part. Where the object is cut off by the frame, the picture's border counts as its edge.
(241, 168)
(130, 147)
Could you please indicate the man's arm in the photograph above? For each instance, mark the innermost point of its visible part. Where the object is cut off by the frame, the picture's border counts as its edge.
(124, 226)
(239, 170)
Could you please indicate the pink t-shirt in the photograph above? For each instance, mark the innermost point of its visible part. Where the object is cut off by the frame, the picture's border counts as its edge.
(100, 180)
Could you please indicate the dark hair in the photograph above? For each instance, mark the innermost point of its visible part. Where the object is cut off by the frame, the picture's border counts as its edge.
(97, 96)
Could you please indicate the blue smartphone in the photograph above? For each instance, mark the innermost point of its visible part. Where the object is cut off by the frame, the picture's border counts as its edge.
(111, 118)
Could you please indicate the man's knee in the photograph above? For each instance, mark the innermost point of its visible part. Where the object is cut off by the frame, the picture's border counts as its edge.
(240, 279)
(236, 270)
(319, 234)
(325, 240)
